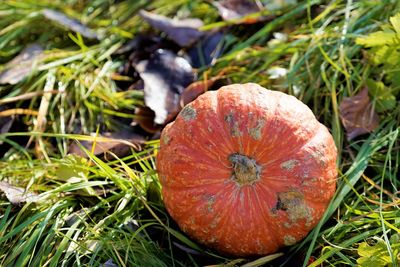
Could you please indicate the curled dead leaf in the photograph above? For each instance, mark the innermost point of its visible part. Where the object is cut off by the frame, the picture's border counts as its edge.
(197, 88)
(184, 32)
(357, 115)
(70, 23)
(206, 50)
(17, 195)
(144, 116)
(194, 90)
(165, 76)
(118, 142)
(237, 9)
(22, 65)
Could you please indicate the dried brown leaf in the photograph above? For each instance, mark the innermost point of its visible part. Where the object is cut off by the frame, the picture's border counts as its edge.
(22, 65)
(357, 115)
(114, 142)
(144, 116)
(17, 195)
(184, 32)
(70, 23)
(206, 50)
(237, 9)
(195, 89)
(165, 76)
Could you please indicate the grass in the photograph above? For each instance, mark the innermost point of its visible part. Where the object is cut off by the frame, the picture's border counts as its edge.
(92, 210)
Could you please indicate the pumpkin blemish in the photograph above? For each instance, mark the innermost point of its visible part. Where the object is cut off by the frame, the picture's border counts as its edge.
(255, 132)
(210, 203)
(188, 113)
(293, 203)
(166, 139)
(289, 240)
(287, 225)
(234, 125)
(289, 165)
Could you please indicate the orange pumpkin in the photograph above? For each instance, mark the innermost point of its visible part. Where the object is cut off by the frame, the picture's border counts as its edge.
(246, 170)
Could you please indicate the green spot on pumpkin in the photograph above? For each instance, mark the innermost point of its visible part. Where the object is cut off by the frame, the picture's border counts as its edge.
(255, 132)
(293, 204)
(289, 240)
(233, 125)
(290, 164)
(188, 113)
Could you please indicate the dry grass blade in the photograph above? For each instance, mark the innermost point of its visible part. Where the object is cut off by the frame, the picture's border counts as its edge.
(26, 96)
(41, 120)
(18, 111)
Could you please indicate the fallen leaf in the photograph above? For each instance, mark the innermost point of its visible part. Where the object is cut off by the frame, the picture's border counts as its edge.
(184, 32)
(109, 263)
(17, 195)
(142, 47)
(194, 90)
(371, 256)
(115, 142)
(22, 65)
(140, 43)
(165, 76)
(197, 88)
(70, 23)
(72, 169)
(377, 39)
(144, 116)
(237, 9)
(206, 50)
(357, 115)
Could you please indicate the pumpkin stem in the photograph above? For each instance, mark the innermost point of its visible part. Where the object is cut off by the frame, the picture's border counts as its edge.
(245, 169)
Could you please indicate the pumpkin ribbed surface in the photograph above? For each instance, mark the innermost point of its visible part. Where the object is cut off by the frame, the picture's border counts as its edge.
(246, 170)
